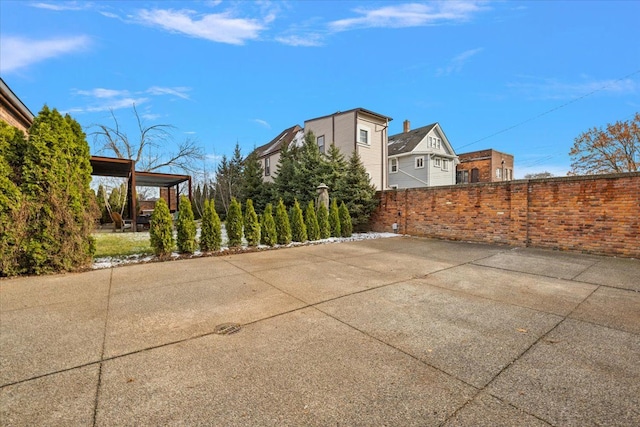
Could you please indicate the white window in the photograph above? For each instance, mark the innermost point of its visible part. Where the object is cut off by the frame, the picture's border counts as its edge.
(394, 165)
(363, 137)
(445, 164)
(394, 186)
(438, 143)
(430, 142)
(419, 162)
(267, 167)
(436, 162)
(320, 141)
(498, 173)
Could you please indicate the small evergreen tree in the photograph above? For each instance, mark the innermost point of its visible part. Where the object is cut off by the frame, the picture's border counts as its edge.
(358, 193)
(268, 235)
(298, 227)
(253, 187)
(323, 222)
(186, 227)
(346, 227)
(234, 223)
(334, 219)
(311, 221)
(251, 224)
(283, 228)
(161, 229)
(100, 199)
(211, 228)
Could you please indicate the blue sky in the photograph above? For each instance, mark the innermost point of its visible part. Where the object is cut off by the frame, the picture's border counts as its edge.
(520, 77)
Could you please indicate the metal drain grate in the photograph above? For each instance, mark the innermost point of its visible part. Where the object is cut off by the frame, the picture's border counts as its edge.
(227, 328)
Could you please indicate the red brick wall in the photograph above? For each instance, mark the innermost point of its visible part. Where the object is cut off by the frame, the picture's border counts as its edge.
(595, 214)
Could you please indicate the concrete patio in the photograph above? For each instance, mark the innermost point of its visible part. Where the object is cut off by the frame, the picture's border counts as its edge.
(397, 331)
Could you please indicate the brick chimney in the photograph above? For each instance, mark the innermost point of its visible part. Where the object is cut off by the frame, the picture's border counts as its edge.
(407, 126)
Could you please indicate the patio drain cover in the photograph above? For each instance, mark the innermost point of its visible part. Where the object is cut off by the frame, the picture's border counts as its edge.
(227, 328)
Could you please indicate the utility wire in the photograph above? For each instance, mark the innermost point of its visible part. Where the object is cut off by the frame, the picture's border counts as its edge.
(551, 110)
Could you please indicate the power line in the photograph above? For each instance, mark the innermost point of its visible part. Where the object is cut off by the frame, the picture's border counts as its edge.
(551, 110)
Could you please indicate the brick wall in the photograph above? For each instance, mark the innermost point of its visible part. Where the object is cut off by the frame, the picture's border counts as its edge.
(594, 214)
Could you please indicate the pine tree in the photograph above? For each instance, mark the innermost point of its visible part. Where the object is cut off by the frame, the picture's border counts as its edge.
(298, 227)
(312, 169)
(323, 222)
(337, 169)
(253, 187)
(100, 199)
(228, 181)
(211, 229)
(358, 193)
(186, 227)
(269, 235)
(334, 219)
(161, 229)
(234, 223)
(283, 228)
(288, 173)
(311, 221)
(345, 221)
(251, 224)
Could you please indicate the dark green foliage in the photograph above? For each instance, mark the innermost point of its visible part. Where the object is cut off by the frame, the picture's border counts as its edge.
(334, 219)
(287, 174)
(311, 221)
(253, 187)
(268, 235)
(118, 199)
(101, 201)
(202, 193)
(161, 229)
(59, 205)
(186, 227)
(228, 181)
(251, 224)
(211, 228)
(346, 227)
(234, 223)
(358, 193)
(298, 227)
(283, 228)
(337, 169)
(323, 222)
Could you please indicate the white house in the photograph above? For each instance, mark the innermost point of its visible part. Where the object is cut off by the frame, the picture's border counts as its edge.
(421, 157)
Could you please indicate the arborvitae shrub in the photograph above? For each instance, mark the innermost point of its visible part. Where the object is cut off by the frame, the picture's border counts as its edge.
(186, 227)
(234, 224)
(323, 222)
(345, 221)
(268, 236)
(211, 228)
(311, 221)
(283, 228)
(334, 219)
(298, 227)
(251, 225)
(161, 229)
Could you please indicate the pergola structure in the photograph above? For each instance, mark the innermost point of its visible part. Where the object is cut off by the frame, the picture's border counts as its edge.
(126, 168)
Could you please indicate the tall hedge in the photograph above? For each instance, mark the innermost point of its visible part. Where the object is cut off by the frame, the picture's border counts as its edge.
(186, 227)
(211, 228)
(283, 228)
(346, 228)
(323, 222)
(334, 219)
(298, 227)
(251, 224)
(234, 223)
(311, 221)
(268, 235)
(161, 229)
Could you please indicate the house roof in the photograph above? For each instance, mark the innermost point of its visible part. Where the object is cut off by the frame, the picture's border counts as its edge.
(123, 168)
(405, 142)
(15, 105)
(363, 110)
(275, 145)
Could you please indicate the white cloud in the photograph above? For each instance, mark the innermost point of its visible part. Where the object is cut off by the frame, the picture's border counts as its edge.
(217, 27)
(18, 52)
(547, 88)
(180, 92)
(110, 104)
(456, 64)
(102, 93)
(63, 5)
(262, 123)
(409, 15)
(307, 40)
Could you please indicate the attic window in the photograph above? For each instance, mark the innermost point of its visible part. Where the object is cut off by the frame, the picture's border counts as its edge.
(364, 136)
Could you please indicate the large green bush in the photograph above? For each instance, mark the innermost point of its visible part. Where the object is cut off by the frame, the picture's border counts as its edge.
(268, 235)
(311, 221)
(211, 228)
(186, 227)
(251, 224)
(334, 219)
(323, 222)
(234, 224)
(298, 227)
(161, 229)
(346, 228)
(283, 228)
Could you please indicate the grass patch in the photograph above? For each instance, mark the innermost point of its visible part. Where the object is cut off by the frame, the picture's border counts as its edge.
(122, 244)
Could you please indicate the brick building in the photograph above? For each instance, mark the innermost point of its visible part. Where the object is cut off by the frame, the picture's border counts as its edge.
(484, 166)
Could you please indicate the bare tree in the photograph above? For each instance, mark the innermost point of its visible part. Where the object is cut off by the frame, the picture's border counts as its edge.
(148, 150)
(538, 175)
(615, 149)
